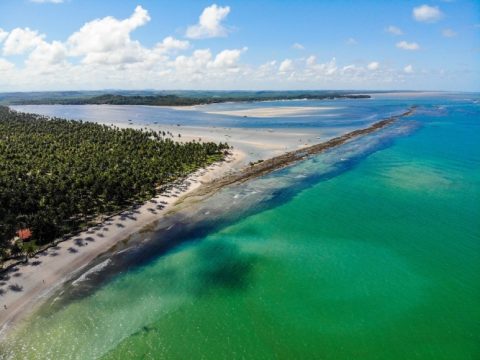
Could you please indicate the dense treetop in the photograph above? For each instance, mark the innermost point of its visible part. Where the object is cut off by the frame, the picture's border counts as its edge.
(169, 99)
(57, 174)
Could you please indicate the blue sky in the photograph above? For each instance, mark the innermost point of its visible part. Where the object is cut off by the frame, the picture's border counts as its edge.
(87, 44)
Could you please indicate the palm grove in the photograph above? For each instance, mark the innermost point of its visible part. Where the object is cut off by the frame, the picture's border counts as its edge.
(56, 175)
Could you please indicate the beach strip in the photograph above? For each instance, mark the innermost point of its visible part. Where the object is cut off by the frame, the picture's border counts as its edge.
(27, 283)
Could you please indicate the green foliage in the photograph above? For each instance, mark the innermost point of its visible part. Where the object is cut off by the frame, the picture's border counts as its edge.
(56, 174)
(182, 100)
(29, 248)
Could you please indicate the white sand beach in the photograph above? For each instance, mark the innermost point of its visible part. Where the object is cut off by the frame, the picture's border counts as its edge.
(267, 112)
(23, 287)
(256, 143)
(27, 283)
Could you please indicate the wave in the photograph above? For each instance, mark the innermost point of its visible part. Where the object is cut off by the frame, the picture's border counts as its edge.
(97, 268)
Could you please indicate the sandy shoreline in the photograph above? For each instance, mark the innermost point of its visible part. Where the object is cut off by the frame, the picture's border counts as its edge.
(45, 273)
(267, 112)
(26, 284)
(48, 271)
(255, 143)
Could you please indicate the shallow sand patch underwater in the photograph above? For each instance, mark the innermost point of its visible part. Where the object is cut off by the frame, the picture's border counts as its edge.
(420, 177)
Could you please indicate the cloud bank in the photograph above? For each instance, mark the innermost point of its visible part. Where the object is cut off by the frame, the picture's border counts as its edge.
(103, 53)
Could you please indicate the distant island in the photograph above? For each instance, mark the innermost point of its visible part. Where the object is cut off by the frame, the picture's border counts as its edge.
(170, 99)
(57, 176)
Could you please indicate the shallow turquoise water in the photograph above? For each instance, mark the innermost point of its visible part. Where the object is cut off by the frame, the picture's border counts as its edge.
(371, 251)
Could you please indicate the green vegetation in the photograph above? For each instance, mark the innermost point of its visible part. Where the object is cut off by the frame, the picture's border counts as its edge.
(180, 99)
(57, 175)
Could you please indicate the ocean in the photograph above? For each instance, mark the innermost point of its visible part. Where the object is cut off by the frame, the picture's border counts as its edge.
(368, 251)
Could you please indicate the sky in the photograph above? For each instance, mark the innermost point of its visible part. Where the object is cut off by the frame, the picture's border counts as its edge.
(239, 44)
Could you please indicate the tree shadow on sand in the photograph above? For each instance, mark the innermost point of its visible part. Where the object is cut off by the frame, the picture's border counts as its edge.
(72, 250)
(16, 287)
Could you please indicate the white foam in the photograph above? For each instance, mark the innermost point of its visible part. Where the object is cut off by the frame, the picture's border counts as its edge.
(93, 270)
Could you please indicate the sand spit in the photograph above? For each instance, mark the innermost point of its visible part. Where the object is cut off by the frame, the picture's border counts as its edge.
(267, 166)
(267, 112)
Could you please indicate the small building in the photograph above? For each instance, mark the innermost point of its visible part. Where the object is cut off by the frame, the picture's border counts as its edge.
(24, 234)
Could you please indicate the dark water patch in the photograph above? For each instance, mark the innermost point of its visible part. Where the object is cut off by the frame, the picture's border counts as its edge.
(223, 265)
(218, 212)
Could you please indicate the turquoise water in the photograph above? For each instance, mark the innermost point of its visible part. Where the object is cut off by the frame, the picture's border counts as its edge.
(371, 251)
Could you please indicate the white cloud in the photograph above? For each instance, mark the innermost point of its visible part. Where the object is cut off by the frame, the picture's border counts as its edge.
(408, 46)
(110, 57)
(194, 63)
(102, 54)
(3, 34)
(324, 69)
(449, 33)
(200, 69)
(209, 23)
(47, 1)
(286, 65)
(171, 44)
(310, 73)
(394, 30)
(46, 54)
(311, 60)
(408, 69)
(19, 41)
(349, 68)
(228, 58)
(298, 46)
(5, 65)
(374, 65)
(108, 40)
(352, 41)
(426, 13)
(202, 65)
(41, 56)
(266, 70)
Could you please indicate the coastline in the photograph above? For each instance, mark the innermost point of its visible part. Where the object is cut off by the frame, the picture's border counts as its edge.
(47, 271)
(267, 112)
(264, 167)
(56, 265)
